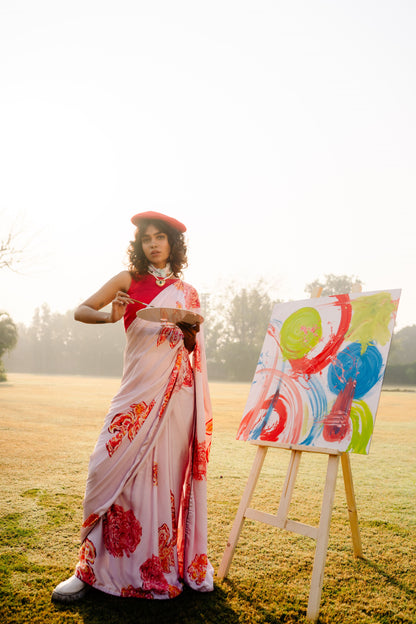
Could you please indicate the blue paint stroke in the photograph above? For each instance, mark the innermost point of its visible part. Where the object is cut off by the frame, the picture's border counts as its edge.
(365, 368)
(256, 431)
(318, 406)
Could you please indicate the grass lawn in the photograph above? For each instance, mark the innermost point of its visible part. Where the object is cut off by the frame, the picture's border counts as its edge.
(48, 430)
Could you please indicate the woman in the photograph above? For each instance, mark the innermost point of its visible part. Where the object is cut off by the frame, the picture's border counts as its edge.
(144, 530)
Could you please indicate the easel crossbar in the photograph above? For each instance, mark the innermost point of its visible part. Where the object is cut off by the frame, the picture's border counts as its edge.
(289, 525)
(297, 447)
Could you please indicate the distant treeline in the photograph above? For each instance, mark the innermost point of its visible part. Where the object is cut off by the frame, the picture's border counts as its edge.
(400, 374)
(55, 343)
(234, 328)
(401, 365)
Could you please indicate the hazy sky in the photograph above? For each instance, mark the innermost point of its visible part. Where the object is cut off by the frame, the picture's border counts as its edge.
(282, 133)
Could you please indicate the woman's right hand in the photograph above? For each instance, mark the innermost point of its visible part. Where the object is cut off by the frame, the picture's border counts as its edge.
(118, 306)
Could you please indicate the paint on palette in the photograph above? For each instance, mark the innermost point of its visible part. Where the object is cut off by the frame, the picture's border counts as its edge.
(319, 375)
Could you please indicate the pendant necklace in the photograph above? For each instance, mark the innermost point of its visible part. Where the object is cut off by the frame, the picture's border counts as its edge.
(160, 275)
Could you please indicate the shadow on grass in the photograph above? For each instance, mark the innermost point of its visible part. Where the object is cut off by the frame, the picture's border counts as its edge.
(390, 579)
(256, 600)
(189, 608)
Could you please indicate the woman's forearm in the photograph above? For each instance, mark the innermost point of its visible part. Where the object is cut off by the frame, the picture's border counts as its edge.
(114, 292)
(85, 314)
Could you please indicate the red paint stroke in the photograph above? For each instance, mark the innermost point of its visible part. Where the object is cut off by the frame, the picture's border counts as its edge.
(252, 418)
(246, 422)
(337, 424)
(306, 366)
(272, 433)
(287, 403)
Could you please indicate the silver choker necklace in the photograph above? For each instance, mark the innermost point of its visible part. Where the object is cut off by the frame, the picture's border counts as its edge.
(160, 275)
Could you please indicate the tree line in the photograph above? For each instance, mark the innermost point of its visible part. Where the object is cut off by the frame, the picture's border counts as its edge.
(55, 343)
(235, 326)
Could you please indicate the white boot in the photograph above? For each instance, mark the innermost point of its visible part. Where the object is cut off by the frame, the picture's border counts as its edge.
(70, 590)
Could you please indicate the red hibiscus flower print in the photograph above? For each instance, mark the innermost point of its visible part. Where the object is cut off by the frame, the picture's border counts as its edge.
(166, 548)
(87, 556)
(188, 379)
(172, 381)
(199, 468)
(185, 374)
(191, 297)
(173, 334)
(135, 592)
(122, 532)
(90, 521)
(197, 358)
(208, 433)
(138, 592)
(152, 575)
(127, 423)
(174, 591)
(141, 412)
(198, 569)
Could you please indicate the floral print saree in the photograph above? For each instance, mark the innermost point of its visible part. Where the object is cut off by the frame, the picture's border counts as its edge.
(145, 514)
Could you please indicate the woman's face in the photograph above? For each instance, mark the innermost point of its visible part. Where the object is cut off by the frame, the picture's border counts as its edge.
(155, 245)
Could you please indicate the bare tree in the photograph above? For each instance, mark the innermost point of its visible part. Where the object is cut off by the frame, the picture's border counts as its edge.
(11, 253)
(17, 248)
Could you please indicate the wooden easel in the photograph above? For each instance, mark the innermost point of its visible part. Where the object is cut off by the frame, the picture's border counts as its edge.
(280, 520)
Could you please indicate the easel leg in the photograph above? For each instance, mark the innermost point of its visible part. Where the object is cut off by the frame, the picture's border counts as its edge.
(352, 509)
(322, 539)
(239, 519)
(288, 486)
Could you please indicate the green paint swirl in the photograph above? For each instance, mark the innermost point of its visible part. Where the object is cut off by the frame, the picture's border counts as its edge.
(370, 319)
(362, 427)
(300, 332)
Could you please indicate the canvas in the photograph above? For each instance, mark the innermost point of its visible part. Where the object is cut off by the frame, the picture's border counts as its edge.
(320, 372)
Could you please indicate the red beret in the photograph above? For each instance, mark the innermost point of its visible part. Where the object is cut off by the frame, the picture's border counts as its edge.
(159, 217)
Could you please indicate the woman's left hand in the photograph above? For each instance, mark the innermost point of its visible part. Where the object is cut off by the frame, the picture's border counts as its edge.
(189, 334)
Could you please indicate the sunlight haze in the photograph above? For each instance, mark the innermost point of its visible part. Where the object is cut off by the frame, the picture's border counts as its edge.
(281, 133)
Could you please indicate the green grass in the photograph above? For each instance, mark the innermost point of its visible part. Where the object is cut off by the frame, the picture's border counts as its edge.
(48, 429)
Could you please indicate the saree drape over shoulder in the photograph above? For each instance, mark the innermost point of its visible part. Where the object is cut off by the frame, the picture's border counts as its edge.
(145, 511)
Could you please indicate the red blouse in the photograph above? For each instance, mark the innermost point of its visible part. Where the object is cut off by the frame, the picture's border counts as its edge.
(144, 289)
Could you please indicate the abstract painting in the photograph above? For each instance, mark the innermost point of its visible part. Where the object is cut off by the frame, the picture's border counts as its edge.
(319, 376)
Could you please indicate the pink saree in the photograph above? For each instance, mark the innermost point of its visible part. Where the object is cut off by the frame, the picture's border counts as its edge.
(145, 511)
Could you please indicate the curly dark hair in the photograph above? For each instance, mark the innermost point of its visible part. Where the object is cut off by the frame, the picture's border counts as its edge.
(139, 264)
